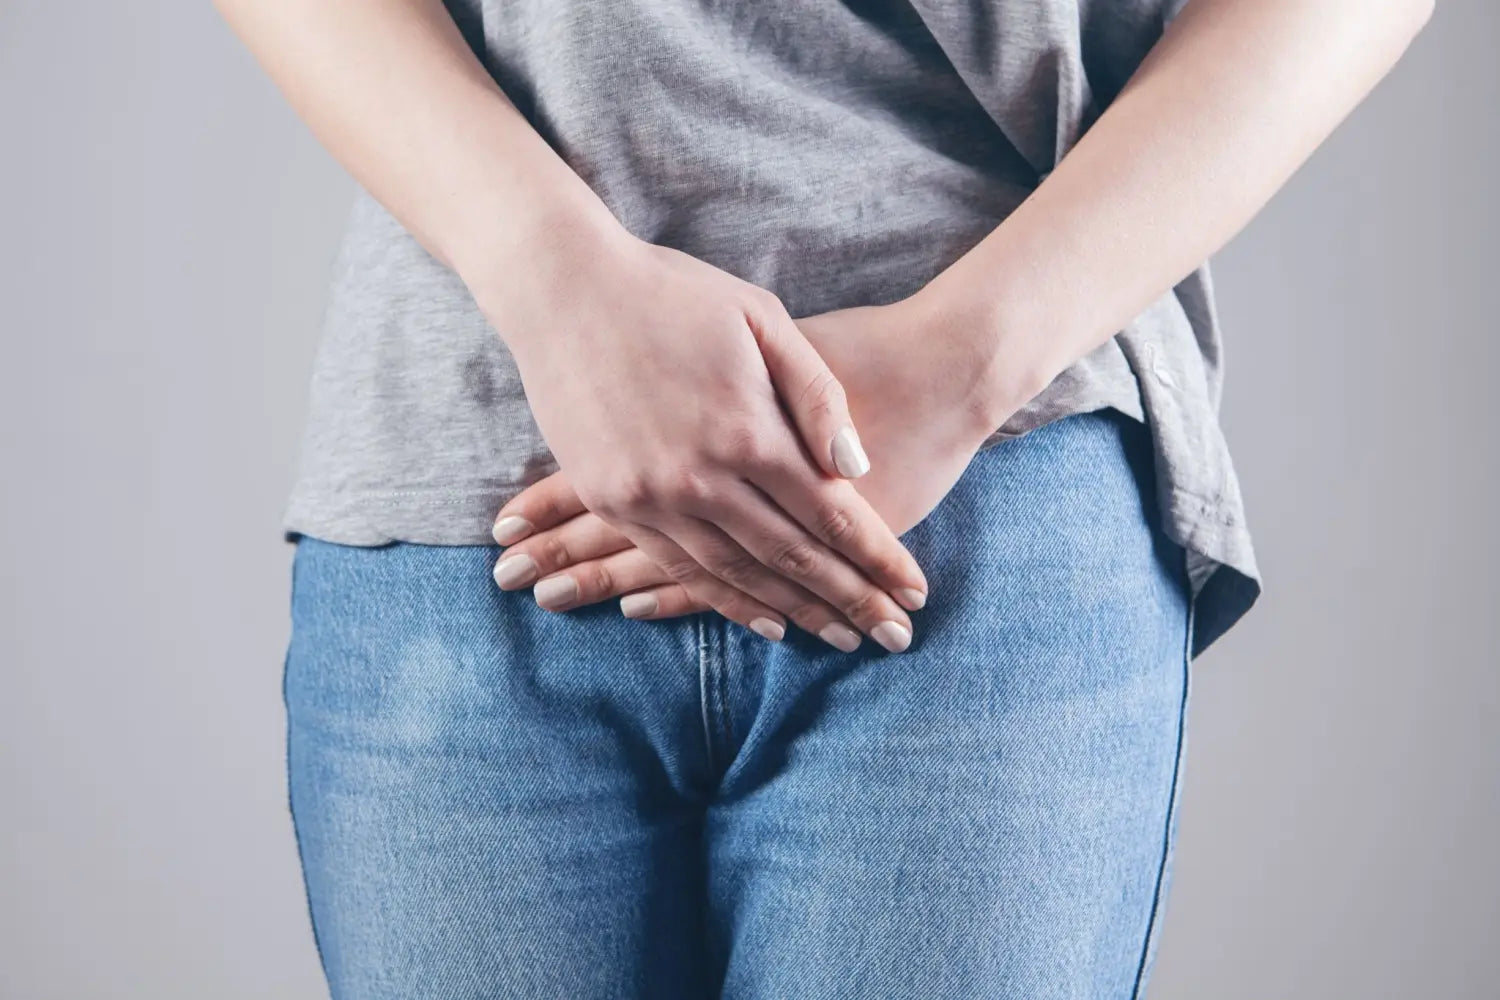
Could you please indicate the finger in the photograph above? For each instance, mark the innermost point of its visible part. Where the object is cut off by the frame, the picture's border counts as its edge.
(599, 580)
(785, 548)
(691, 575)
(584, 538)
(542, 505)
(835, 514)
(810, 393)
(712, 548)
(666, 601)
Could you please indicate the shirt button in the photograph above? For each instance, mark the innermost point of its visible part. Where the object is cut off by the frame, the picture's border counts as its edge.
(1162, 373)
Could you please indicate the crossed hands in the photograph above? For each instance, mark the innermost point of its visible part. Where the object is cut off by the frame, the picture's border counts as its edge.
(706, 444)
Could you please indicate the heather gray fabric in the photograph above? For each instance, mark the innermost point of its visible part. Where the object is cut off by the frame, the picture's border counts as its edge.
(836, 153)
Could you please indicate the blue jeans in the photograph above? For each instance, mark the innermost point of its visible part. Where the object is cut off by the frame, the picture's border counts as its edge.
(496, 801)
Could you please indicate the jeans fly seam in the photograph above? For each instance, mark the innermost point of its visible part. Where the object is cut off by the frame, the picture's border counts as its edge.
(721, 665)
(703, 691)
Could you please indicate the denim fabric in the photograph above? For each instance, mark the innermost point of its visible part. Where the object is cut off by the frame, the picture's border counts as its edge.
(496, 801)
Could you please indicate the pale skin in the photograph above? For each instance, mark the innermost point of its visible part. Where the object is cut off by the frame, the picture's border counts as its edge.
(740, 509)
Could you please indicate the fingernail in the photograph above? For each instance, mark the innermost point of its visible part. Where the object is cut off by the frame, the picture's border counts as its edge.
(767, 629)
(639, 605)
(848, 456)
(909, 598)
(509, 530)
(840, 636)
(556, 592)
(514, 571)
(892, 635)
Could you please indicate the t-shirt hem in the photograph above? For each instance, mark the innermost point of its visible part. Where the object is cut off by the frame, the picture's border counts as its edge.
(1224, 577)
(384, 517)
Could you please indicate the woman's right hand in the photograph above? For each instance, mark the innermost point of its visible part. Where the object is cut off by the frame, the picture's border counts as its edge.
(663, 387)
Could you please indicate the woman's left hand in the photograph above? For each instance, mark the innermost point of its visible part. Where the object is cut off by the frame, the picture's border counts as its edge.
(922, 394)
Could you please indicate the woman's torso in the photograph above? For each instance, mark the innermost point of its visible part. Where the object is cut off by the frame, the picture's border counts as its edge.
(837, 154)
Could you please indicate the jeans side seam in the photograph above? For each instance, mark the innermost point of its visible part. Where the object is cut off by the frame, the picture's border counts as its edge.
(1153, 921)
(291, 806)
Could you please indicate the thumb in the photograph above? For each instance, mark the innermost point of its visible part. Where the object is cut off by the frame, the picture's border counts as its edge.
(810, 393)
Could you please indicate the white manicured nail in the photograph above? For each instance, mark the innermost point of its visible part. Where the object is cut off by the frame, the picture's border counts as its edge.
(556, 591)
(909, 598)
(848, 456)
(639, 605)
(840, 636)
(892, 635)
(767, 629)
(514, 571)
(509, 530)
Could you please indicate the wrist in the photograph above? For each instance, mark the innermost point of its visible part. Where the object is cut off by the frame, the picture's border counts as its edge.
(528, 257)
(1003, 358)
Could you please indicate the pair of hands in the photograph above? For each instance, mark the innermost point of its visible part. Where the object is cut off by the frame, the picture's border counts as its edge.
(706, 445)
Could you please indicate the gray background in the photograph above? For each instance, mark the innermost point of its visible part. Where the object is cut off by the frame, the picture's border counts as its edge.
(166, 228)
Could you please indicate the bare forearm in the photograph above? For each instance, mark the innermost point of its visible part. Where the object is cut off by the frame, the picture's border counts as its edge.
(1234, 98)
(396, 95)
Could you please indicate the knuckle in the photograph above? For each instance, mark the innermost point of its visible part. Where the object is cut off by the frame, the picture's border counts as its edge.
(795, 559)
(733, 607)
(772, 310)
(553, 552)
(684, 488)
(635, 492)
(681, 569)
(882, 567)
(867, 607)
(620, 499)
(701, 598)
(600, 580)
(763, 304)
(834, 524)
(810, 616)
(597, 501)
(549, 510)
(823, 394)
(639, 496)
(743, 448)
(739, 570)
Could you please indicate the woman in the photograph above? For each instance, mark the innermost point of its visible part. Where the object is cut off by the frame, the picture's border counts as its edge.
(881, 319)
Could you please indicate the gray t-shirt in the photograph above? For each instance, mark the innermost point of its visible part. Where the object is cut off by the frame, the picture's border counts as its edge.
(835, 152)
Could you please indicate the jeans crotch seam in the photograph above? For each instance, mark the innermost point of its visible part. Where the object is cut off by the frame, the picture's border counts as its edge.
(1153, 921)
